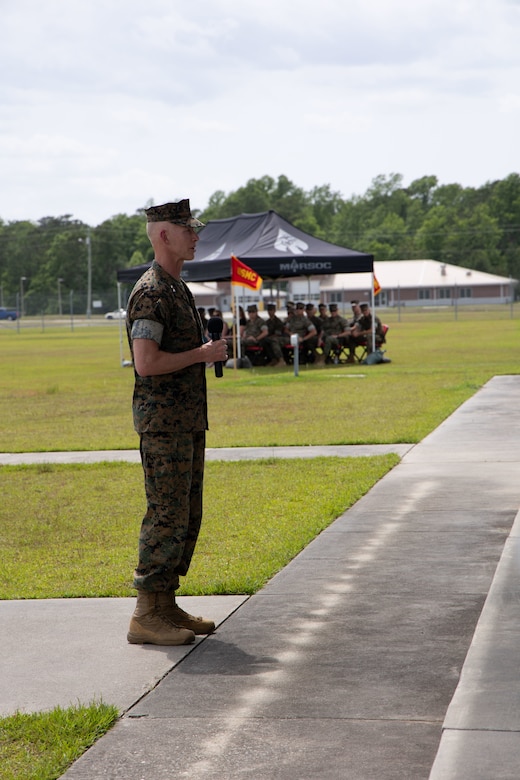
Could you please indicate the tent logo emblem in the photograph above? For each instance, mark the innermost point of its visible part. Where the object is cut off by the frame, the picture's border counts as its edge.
(297, 268)
(287, 243)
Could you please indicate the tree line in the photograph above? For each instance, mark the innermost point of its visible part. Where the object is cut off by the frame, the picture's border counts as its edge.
(476, 228)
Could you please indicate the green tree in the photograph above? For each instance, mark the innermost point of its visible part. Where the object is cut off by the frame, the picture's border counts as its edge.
(259, 195)
(473, 242)
(325, 205)
(422, 190)
(350, 225)
(504, 205)
(388, 241)
(114, 242)
(20, 256)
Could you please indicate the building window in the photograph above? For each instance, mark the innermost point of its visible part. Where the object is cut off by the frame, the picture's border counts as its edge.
(336, 297)
(444, 292)
(424, 294)
(465, 292)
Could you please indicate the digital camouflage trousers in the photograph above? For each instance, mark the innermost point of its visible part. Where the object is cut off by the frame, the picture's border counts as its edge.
(173, 468)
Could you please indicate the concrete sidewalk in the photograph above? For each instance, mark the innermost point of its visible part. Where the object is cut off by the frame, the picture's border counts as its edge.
(352, 662)
(217, 453)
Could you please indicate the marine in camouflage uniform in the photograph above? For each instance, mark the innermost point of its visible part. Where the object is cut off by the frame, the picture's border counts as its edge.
(334, 329)
(255, 330)
(256, 333)
(351, 340)
(278, 335)
(170, 416)
(300, 324)
(364, 329)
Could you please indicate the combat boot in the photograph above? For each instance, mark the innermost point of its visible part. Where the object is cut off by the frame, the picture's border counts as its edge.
(149, 625)
(169, 608)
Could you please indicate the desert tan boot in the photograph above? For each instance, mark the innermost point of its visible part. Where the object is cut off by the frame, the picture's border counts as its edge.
(149, 625)
(171, 610)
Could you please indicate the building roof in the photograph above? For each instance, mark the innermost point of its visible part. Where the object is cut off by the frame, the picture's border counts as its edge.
(393, 274)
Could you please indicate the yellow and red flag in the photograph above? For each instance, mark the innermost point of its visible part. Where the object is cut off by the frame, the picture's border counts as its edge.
(377, 286)
(243, 275)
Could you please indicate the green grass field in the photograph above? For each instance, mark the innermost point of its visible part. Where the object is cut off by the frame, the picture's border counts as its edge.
(72, 530)
(62, 390)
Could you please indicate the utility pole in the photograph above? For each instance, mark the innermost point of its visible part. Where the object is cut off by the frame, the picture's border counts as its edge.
(22, 305)
(89, 271)
(60, 310)
(89, 275)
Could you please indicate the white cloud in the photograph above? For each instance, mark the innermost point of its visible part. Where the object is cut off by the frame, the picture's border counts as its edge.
(107, 104)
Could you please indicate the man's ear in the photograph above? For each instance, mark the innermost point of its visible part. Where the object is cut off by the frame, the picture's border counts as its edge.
(164, 236)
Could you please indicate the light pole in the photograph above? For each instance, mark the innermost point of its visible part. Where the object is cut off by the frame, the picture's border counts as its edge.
(60, 312)
(22, 309)
(89, 271)
(89, 275)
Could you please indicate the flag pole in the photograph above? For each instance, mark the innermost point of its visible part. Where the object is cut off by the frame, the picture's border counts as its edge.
(234, 328)
(239, 340)
(237, 346)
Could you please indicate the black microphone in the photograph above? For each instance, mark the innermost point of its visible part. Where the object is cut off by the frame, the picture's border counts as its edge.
(215, 328)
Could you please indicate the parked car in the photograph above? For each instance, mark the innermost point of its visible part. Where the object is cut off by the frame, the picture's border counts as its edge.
(115, 315)
(8, 314)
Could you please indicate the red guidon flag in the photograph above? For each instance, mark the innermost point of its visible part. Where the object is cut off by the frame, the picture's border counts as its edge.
(242, 274)
(377, 286)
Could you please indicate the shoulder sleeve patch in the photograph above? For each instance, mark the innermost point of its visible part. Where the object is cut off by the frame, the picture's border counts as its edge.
(147, 329)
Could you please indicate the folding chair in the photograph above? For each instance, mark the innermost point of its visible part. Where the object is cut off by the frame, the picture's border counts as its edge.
(363, 344)
(256, 354)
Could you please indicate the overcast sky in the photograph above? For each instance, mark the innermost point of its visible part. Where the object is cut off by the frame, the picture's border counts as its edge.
(108, 104)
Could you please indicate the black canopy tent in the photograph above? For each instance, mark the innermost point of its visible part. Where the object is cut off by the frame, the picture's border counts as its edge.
(268, 244)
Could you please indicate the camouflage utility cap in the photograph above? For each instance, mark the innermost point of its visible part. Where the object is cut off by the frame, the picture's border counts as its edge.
(177, 213)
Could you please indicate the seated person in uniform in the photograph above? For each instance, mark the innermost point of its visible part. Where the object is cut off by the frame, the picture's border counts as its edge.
(335, 328)
(362, 332)
(290, 311)
(256, 334)
(278, 335)
(322, 312)
(307, 337)
(349, 340)
(312, 314)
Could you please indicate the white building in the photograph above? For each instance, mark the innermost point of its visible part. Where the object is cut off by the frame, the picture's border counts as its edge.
(419, 283)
